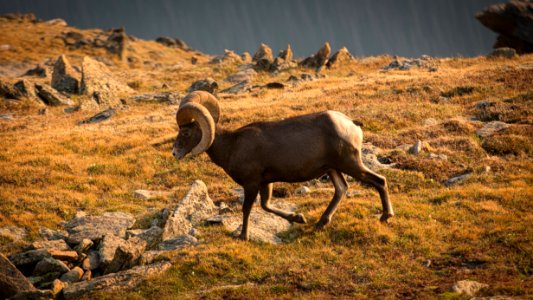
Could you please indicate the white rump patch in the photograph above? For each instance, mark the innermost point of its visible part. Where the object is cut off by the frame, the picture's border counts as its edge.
(345, 127)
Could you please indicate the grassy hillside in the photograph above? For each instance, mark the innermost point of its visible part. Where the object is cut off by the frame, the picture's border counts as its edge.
(481, 229)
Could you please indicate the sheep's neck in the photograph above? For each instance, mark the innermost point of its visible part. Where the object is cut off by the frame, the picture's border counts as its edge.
(218, 152)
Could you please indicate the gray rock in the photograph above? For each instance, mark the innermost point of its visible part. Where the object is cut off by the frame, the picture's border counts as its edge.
(126, 255)
(283, 61)
(51, 96)
(107, 248)
(416, 148)
(84, 246)
(243, 75)
(99, 117)
(48, 265)
(223, 208)
(168, 97)
(457, 179)
(263, 58)
(264, 226)
(12, 281)
(152, 256)
(491, 128)
(51, 235)
(438, 156)
(178, 242)
(64, 77)
(172, 42)
(51, 245)
(73, 275)
(98, 83)
(27, 89)
(29, 258)
(241, 87)
(96, 227)
(340, 58)
(115, 281)
(319, 59)
(70, 256)
(14, 233)
(468, 287)
(301, 191)
(44, 279)
(228, 57)
(92, 261)
(151, 236)
(191, 211)
(370, 159)
(208, 85)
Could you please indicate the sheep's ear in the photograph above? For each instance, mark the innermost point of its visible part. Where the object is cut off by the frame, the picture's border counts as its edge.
(194, 112)
(205, 99)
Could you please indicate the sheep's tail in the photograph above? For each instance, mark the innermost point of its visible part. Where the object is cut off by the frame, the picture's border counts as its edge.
(358, 123)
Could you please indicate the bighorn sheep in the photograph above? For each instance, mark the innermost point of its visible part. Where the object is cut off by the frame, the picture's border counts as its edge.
(291, 150)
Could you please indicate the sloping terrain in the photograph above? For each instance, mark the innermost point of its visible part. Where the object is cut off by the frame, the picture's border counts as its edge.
(477, 228)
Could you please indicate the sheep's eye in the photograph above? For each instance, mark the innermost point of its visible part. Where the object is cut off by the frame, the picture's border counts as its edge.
(186, 134)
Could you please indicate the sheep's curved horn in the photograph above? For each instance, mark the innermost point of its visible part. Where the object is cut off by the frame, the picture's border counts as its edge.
(194, 112)
(206, 99)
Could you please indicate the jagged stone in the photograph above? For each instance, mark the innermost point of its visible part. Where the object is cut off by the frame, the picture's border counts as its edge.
(48, 265)
(468, 287)
(26, 261)
(49, 234)
(84, 246)
(416, 148)
(51, 96)
(228, 57)
(51, 245)
(117, 42)
(208, 85)
(98, 83)
(38, 71)
(107, 248)
(191, 211)
(172, 43)
(73, 275)
(178, 242)
(12, 281)
(283, 61)
(126, 255)
(246, 57)
(151, 236)
(457, 179)
(319, 59)
(64, 77)
(96, 227)
(115, 281)
(99, 117)
(264, 226)
(263, 58)
(340, 58)
(14, 233)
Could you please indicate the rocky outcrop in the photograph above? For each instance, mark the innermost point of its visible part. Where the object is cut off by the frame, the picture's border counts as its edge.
(96, 227)
(319, 59)
(263, 58)
(100, 85)
(208, 85)
(228, 57)
(513, 21)
(283, 61)
(114, 281)
(172, 42)
(64, 77)
(117, 42)
(340, 58)
(12, 281)
(191, 211)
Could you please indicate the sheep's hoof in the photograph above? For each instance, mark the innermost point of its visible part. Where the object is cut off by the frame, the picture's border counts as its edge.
(243, 236)
(297, 218)
(385, 217)
(321, 224)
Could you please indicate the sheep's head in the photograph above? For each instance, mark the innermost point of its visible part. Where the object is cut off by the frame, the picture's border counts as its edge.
(196, 117)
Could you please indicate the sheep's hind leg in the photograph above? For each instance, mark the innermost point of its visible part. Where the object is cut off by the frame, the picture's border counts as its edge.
(365, 175)
(266, 194)
(249, 198)
(340, 190)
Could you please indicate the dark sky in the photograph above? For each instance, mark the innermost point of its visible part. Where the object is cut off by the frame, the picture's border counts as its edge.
(367, 27)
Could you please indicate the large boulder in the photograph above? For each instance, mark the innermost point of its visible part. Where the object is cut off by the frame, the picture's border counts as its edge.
(12, 281)
(64, 77)
(319, 59)
(96, 227)
(97, 81)
(107, 249)
(340, 58)
(513, 21)
(191, 211)
(114, 281)
(126, 255)
(263, 58)
(208, 85)
(49, 265)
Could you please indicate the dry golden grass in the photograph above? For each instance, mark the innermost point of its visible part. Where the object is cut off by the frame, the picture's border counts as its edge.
(480, 230)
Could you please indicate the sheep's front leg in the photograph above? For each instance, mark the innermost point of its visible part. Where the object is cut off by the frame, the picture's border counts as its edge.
(266, 194)
(249, 198)
(340, 190)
